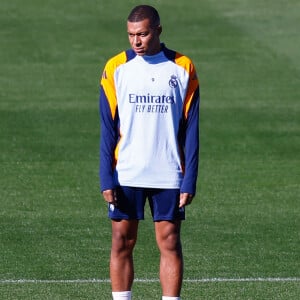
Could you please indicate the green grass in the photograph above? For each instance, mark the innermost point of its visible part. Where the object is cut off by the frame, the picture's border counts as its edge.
(244, 222)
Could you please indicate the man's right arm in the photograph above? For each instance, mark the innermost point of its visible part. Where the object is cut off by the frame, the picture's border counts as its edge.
(109, 130)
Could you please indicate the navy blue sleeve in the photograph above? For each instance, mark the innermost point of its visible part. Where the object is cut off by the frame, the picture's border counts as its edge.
(108, 142)
(191, 147)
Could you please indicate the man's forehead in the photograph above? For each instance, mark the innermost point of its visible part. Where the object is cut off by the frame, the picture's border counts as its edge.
(139, 26)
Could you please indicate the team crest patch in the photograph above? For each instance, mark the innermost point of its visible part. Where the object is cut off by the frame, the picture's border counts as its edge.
(173, 83)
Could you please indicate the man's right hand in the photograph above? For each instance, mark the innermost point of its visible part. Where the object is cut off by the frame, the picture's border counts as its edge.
(110, 196)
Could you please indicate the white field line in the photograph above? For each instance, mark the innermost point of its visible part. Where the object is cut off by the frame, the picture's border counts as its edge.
(201, 280)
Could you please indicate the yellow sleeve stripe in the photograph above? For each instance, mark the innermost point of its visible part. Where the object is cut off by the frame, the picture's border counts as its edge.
(186, 63)
(108, 83)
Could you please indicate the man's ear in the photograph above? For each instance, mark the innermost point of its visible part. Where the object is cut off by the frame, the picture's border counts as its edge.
(159, 29)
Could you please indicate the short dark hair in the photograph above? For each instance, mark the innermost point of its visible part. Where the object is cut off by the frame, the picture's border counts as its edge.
(142, 12)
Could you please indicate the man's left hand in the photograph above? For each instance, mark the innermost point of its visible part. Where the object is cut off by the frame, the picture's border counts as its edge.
(185, 199)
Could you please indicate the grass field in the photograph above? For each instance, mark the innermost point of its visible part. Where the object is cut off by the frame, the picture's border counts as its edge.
(241, 238)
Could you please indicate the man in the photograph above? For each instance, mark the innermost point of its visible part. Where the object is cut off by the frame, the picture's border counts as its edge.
(149, 110)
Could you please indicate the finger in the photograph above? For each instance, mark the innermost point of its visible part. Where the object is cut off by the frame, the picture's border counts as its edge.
(185, 199)
(109, 196)
(115, 199)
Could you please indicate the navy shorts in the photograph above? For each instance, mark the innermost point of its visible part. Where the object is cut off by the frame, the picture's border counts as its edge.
(164, 204)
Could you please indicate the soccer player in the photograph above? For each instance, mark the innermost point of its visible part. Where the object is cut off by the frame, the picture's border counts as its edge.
(149, 112)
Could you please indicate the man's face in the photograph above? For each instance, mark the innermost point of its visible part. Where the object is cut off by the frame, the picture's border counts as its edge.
(143, 38)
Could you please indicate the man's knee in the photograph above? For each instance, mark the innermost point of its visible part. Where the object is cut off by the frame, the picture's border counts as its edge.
(122, 244)
(168, 236)
(123, 238)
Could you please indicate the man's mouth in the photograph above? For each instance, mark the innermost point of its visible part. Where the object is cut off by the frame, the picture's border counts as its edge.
(138, 50)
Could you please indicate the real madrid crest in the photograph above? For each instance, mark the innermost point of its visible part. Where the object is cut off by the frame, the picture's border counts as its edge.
(173, 83)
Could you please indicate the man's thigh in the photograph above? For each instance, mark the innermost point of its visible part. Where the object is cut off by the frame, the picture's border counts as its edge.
(164, 204)
(130, 204)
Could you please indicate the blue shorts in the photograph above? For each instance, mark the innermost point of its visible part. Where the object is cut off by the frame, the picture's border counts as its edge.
(131, 203)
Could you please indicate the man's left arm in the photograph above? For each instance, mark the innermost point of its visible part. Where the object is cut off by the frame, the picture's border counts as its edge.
(192, 144)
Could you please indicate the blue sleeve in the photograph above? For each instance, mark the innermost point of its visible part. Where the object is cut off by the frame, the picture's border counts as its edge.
(108, 142)
(191, 147)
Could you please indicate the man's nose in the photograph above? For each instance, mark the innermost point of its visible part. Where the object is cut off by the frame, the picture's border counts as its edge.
(137, 40)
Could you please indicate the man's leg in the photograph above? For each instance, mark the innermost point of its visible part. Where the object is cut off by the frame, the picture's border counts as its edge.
(171, 260)
(124, 235)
